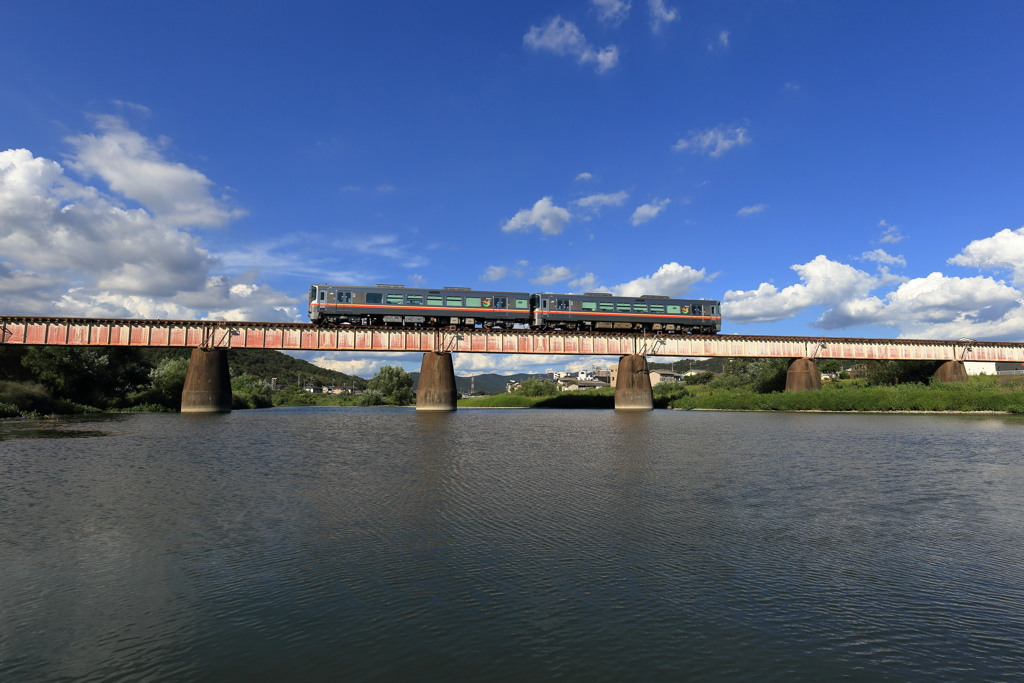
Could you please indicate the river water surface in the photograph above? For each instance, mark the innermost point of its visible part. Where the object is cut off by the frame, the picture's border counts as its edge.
(311, 544)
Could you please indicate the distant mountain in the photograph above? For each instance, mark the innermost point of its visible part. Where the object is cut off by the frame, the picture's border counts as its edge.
(265, 364)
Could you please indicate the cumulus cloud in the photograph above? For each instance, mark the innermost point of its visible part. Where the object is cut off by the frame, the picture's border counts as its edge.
(545, 215)
(671, 279)
(646, 212)
(494, 273)
(564, 38)
(1002, 251)
(70, 248)
(824, 283)
(880, 256)
(584, 176)
(549, 275)
(714, 141)
(585, 283)
(747, 210)
(612, 12)
(595, 201)
(661, 14)
(134, 167)
(891, 234)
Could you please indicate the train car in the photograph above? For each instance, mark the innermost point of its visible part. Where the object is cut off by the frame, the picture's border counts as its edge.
(399, 305)
(603, 311)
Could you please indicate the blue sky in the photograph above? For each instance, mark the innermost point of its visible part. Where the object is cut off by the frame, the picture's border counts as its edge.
(823, 168)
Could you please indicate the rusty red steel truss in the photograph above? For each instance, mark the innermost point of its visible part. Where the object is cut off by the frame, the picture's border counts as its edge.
(304, 336)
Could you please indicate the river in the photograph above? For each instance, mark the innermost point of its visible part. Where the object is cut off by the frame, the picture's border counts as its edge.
(375, 544)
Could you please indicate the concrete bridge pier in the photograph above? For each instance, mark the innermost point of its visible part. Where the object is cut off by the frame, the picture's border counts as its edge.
(633, 384)
(803, 375)
(207, 383)
(951, 371)
(436, 391)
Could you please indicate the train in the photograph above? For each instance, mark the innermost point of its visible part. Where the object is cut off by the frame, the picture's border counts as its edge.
(462, 307)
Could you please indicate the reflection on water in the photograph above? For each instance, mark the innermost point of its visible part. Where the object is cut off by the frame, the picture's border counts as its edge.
(382, 544)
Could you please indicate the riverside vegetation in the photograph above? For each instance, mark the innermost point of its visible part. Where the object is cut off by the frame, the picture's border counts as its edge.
(882, 386)
(37, 380)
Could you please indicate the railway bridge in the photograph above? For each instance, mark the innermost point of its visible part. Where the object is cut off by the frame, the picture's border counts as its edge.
(207, 386)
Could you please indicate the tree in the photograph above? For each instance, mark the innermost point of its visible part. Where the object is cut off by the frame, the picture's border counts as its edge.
(535, 387)
(393, 384)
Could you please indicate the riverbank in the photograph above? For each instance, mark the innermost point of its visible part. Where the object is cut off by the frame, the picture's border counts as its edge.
(979, 395)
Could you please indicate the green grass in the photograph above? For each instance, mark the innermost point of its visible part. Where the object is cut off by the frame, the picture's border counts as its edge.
(977, 395)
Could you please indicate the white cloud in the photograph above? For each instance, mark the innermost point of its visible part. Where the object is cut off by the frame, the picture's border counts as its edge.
(747, 210)
(564, 38)
(494, 273)
(723, 38)
(792, 86)
(671, 279)
(595, 201)
(417, 280)
(550, 275)
(385, 188)
(891, 234)
(584, 176)
(825, 283)
(545, 215)
(133, 166)
(141, 108)
(612, 12)
(646, 212)
(1002, 251)
(714, 141)
(585, 283)
(880, 256)
(69, 248)
(386, 246)
(936, 306)
(661, 14)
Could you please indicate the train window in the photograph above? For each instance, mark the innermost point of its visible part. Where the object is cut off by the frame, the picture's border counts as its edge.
(345, 297)
(714, 310)
(697, 309)
(685, 310)
(606, 306)
(522, 303)
(473, 301)
(563, 304)
(673, 309)
(640, 308)
(589, 306)
(312, 294)
(486, 302)
(622, 308)
(374, 298)
(322, 295)
(394, 298)
(414, 300)
(453, 301)
(500, 302)
(435, 301)
(657, 308)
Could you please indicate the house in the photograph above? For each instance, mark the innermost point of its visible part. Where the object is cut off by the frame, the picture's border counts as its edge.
(580, 384)
(659, 376)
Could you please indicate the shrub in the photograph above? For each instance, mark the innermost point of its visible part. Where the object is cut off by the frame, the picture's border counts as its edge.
(536, 387)
(27, 397)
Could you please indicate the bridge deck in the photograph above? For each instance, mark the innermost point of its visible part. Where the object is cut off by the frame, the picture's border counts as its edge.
(298, 336)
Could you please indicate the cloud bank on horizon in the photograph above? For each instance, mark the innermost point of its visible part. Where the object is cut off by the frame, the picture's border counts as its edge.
(630, 146)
